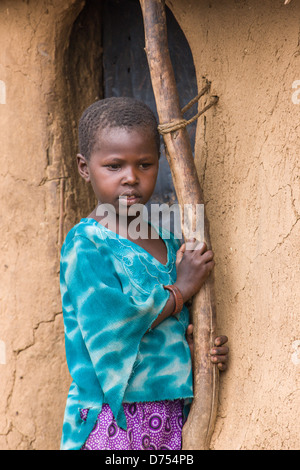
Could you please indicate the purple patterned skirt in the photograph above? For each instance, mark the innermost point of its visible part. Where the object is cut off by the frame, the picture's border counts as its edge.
(150, 426)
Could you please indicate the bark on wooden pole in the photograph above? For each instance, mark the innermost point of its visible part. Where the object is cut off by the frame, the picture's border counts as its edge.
(199, 426)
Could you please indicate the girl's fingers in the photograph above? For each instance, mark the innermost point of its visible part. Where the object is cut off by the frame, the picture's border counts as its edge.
(220, 340)
(179, 254)
(189, 334)
(210, 265)
(219, 359)
(207, 256)
(194, 245)
(189, 330)
(222, 351)
(219, 353)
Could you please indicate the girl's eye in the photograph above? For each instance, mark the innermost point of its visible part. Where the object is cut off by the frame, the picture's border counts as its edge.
(145, 165)
(114, 166)
(117, 166)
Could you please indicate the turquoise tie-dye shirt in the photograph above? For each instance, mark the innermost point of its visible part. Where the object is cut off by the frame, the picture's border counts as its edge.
(112, 291)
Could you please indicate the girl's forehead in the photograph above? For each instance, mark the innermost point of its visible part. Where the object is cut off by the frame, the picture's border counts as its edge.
(119, 137)
(124, 132)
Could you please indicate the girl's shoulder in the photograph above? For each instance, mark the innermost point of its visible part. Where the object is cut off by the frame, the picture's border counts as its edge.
(87, 229)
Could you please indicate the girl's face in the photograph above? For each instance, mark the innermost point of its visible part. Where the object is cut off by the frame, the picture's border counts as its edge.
(122, 168)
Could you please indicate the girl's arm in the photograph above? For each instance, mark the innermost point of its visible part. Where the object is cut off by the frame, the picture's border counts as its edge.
(167, 311)
(193, 267)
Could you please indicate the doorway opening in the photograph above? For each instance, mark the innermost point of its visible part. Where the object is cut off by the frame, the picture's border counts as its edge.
(106, 57)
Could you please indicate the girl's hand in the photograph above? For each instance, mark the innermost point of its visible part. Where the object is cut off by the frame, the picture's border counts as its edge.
(219, 353)
(193, 264)
(190, 339)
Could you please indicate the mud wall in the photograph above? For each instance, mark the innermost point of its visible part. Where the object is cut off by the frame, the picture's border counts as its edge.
(48, 79)
(248, 163)
(247, 154)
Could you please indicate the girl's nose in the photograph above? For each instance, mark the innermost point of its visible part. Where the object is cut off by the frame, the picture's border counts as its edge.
(130, 176)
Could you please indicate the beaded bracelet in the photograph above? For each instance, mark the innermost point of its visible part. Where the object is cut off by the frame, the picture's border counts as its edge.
(178, 298)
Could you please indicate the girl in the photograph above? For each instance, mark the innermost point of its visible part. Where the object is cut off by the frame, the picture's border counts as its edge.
(123, 297)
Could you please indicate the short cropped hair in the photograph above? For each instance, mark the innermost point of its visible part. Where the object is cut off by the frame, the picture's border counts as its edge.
(124, 112)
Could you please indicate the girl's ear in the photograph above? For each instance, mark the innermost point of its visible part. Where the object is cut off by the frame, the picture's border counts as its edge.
(83, 167)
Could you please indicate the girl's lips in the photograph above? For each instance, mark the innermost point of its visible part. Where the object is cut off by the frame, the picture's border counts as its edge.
(129, 200)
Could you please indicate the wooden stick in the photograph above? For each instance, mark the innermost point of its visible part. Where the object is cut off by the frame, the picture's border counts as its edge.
(199, 426)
